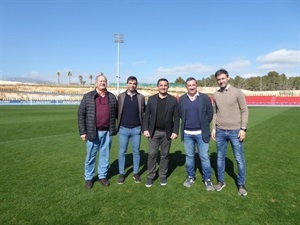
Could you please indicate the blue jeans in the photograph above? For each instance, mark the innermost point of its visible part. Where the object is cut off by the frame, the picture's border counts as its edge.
(222, 139)
(190, 143)
(134, 135)
(101, 143)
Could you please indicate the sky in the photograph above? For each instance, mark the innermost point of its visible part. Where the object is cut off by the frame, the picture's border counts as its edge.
(162, 38)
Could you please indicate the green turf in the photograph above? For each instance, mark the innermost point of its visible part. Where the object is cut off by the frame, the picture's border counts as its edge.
(42, 179)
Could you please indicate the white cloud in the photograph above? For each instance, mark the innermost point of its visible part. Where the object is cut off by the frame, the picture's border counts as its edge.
(281, 56)
(237, 65)
(279, 60)
(275, 66)
(183, 70)
(171, 73)
(196, 69)
(248, 75)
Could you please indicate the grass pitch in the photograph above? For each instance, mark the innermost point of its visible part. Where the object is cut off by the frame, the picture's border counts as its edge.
(42, 179)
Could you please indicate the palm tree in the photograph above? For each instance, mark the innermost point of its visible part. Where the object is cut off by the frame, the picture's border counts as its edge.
(80, 79)
(91, 78)
(69, 75)
(58, 75)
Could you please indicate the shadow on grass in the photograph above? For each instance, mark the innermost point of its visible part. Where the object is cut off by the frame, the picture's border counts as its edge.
(176, 159)
(114, 166)
(229, 166)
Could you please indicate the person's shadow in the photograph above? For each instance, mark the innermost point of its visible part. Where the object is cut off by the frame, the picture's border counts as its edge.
(114, 166)
(176, 159)
(229, 166)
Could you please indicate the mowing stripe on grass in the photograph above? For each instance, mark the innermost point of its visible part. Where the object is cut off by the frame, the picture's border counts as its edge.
(37, 138)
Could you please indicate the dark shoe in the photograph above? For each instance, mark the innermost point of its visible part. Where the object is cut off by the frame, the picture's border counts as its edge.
(104, 182)
(121, 179)
(137, 178)
(88, 184)
(149, 182)
(163, 181)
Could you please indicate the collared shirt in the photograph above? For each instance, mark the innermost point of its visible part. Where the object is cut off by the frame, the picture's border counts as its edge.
(226, 88)
(193, 98)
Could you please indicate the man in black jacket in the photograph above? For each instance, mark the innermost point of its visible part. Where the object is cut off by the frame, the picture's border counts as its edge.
(97, 115)
(160, 126)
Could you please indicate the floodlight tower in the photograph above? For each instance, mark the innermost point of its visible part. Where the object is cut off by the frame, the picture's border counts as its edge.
(118, 38)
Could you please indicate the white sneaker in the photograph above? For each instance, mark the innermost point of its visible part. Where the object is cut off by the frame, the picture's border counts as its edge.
(188, 182)
(209, 185)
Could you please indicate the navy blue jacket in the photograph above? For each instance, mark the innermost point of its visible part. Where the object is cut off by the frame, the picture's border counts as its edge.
(205, 116)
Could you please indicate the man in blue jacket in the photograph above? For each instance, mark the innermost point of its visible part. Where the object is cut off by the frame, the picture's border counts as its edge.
(196, 113)
(97, 115)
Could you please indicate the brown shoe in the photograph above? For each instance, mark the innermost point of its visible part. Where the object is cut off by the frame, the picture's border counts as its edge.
(104, 182)
(88, 184)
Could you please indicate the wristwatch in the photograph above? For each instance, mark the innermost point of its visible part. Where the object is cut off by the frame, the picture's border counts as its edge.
(244, 129)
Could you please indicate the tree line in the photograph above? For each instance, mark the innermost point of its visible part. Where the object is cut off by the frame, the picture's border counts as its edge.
(273, 81)
(270, 82)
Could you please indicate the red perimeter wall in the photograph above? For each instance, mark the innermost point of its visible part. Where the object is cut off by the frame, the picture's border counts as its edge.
(272, 100)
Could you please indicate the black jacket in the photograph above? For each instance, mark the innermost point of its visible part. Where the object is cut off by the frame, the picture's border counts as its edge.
(87, 114)
(171, 115)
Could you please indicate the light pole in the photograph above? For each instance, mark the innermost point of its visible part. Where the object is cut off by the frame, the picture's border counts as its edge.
(118, 38)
